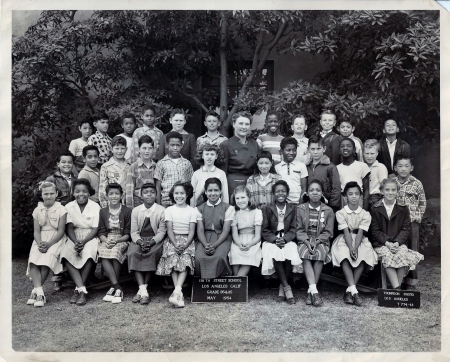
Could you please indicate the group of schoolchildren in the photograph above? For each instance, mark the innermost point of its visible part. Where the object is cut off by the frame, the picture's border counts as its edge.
(136, 197)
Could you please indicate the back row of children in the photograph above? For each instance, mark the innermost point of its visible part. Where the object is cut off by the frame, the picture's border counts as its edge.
(134, 176)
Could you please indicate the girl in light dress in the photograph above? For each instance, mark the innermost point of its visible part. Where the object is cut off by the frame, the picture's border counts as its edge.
(261, 183)
(49, 235)
(79, 252)
(352, 250)
(279, 250)
(214, 219)
(178, 257)
(390, 230)
(315, 222)
(114, 234)
(245, 250)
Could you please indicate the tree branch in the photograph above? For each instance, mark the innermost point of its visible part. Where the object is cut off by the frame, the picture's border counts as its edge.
(196, 100)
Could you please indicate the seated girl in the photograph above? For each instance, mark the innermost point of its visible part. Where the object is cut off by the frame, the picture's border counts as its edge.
(352, 250)
(214, 219)
(279, 250)
(390, 229)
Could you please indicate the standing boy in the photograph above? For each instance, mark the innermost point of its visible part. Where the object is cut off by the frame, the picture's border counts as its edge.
(90, 171)
(299, 126)
(172, 168)
(212, 135)
(148, 116)
(271, 140)
(411, 194)
(139, 173)
(111, 171)
(101, 138)
(320, 168)
(292, 171)
(378, 171)
(391, 146)
(128, 126)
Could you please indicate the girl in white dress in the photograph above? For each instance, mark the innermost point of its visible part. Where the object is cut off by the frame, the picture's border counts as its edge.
(352, 250)
(80, 251)
(245, 250)
(49, 226)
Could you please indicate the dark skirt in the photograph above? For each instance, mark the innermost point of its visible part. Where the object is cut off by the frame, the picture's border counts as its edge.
(144, 262)
(216, 265)
(322, 253)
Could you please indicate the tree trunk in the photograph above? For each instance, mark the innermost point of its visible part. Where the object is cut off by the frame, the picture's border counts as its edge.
(224, 74)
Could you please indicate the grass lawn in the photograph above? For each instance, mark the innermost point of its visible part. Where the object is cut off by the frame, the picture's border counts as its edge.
(261, 325)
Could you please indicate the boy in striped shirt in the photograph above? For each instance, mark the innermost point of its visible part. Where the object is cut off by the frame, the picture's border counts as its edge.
(271, 140)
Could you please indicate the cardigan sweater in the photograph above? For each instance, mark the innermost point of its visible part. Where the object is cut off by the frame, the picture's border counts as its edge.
(394, 229)
(157, 222)
(325, 229)
(124, 221)
(270, 223)
(327, 173)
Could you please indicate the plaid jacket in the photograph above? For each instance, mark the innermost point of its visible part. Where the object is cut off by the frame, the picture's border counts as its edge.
(134, 177)
(261, 195)
(412, 195)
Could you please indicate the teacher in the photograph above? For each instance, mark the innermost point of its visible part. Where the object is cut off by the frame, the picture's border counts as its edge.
(239, 152)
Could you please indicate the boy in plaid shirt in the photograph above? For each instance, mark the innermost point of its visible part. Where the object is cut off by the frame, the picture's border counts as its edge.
(411, 194)
(172, 168)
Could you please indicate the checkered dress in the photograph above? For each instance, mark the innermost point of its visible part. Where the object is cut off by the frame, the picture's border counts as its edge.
(103, 143)
(405, 257)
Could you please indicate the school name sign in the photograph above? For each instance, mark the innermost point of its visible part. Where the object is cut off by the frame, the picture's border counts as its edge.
(220, 290)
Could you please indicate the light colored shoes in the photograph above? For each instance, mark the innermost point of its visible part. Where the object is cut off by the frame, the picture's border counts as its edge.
(32, 298)
(109, 295)
(118, 297)
(40, 301)
(173, 299)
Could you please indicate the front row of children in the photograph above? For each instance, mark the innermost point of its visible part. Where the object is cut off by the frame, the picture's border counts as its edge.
(162, 239)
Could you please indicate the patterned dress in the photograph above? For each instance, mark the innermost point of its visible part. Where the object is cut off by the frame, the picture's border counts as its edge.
(48, 221)
(83, 223)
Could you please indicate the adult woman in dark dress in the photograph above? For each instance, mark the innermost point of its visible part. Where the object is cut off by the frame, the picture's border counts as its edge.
(240, 152)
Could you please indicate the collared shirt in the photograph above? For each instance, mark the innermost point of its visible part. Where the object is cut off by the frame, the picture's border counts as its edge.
(391, 147)
(271, 144)
(292, 173)
(129, 146)
(353, 219)
(314, 208)
(412, 194)
(93, 176)
(389, 208)
(229, 213)
(110, 172)
(103, 143)
(68, 179)
(134, 177)
(303, 154)
(198, 183)
(206, 139)
(378, 172)
(281, 213)
(323, 133)
(261, 194)
(155, 133)
(169, 172)
(356, 171)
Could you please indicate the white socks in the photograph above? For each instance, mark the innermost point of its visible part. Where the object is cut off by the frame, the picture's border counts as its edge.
(177, 289)
(313, 289)
(352, 289)
(39, 291)
(143, 290)
(82, 289)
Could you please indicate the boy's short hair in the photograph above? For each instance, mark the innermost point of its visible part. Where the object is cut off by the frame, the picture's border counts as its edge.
(187, 188)
(288, 141)
(390, 119)
(90, 148)
(148, 185)
(315, 139)
(350, 120)
(148, 107)
(402, 157)
(128, 115)
(177, 111)
(83, 181)
(388, 180)
(328, 111)
(84, 121)
(349, 185)
(348, 139)
(174, 134)
(113, 185)
(272, 112)
(100, 115)
(212, 113)
(298, 115)
(65, 153)
(209, 147)
(280, 182)
(244, 114)
(145, 139)
(118, 140)
(372, 143)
